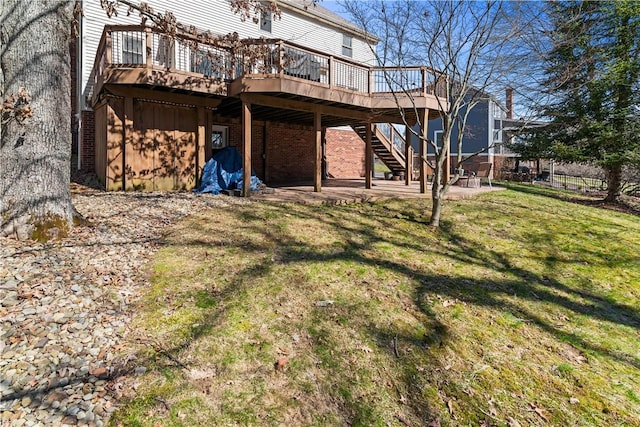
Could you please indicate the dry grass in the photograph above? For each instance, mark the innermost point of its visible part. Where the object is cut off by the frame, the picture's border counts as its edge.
(521, 310)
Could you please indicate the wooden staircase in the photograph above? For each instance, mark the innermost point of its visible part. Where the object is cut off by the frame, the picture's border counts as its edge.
(383, 136)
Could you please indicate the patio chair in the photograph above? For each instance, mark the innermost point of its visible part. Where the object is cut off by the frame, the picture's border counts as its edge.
(467, 178)
(484, 171)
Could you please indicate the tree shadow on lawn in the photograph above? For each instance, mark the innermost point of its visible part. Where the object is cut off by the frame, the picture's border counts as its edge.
(500, 295)
(629, 205)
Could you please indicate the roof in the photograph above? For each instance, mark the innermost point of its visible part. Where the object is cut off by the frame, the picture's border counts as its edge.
(316, 11)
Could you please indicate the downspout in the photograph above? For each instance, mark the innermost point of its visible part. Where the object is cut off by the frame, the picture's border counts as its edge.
(79, 100)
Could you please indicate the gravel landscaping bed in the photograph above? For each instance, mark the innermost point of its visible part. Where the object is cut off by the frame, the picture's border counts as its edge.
(65, 306)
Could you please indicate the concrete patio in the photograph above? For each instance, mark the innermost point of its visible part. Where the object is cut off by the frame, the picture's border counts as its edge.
(341, 191)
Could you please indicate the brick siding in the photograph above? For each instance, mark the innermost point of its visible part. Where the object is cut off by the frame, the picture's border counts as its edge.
(288, 155)
(345, 152)
(88, 148)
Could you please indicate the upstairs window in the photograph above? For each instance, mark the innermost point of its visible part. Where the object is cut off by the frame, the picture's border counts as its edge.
(265, 21)
(132, 52)
(347, 45)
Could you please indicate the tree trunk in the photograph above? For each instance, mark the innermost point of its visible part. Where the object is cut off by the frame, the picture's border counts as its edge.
(436, 204)
(35, 155)
(614, 183)
(440, 187)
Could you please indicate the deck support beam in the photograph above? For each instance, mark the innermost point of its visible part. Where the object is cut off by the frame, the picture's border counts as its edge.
(368, 157)
(317, 147)
(424, 120)
(246, 149)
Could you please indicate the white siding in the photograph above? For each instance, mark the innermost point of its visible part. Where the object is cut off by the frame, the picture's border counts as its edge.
(216, 16)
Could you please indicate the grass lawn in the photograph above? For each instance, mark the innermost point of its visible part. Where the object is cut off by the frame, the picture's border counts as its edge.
(521, 310)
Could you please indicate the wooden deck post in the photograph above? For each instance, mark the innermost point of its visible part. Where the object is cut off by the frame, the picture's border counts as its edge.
(408, 158)
(424, 120)
(281, 59)
(330, 71)
(371, 80)
(148, 38)
(317, 162)
(128, 149)
(325, 171)
(200, 143)
(368, 157)
(108, 48)
(246, 149)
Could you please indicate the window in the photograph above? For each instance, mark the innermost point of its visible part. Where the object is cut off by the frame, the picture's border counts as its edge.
(265, 21)
(219, 137)
(437, 137)
(497, 130)
(347, 45)
(132, 52)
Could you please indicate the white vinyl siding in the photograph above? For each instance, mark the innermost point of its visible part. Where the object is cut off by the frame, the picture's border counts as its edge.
(216, 16)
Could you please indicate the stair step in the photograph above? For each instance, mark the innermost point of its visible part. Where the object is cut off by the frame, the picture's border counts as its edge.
(380, 149)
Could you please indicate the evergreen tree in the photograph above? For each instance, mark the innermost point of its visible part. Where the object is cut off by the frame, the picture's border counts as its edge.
(593, 75)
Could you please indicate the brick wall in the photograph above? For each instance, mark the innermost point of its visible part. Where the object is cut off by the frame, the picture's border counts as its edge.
(345, 152)
(500, 164)
(257, 143)
(88, 155)
(288, 155)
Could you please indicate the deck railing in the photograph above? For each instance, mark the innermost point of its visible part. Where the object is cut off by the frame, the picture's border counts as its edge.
(135, 46)
(397, 140)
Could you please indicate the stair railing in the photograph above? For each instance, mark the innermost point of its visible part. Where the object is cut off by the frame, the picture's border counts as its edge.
(393, 140)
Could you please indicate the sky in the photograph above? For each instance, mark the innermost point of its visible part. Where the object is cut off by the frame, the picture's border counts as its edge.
(334, 7)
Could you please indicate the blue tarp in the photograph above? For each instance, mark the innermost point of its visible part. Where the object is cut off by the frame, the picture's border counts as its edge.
(224, 172)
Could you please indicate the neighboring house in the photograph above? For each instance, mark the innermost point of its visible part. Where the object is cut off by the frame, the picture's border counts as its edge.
(483, 133)
(151, 109)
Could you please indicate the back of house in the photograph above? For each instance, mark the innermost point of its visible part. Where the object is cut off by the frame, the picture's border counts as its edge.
(151, 108)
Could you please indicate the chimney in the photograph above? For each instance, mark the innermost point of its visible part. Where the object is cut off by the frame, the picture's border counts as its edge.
(509, 102)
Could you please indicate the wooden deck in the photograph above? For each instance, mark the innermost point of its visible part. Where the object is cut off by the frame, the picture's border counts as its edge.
(286, 76)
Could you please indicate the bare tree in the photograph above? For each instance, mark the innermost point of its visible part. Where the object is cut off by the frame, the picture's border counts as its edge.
(467, 47)
(35, 87)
